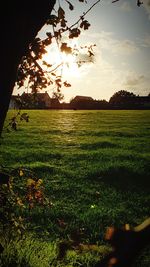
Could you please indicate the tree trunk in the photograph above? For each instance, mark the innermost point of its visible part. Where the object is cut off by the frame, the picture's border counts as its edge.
(20, 22)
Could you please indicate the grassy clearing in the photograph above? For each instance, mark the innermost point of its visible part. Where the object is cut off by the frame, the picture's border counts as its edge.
(95, 165)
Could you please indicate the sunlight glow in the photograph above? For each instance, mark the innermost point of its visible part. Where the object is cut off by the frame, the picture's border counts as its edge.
(69, 66)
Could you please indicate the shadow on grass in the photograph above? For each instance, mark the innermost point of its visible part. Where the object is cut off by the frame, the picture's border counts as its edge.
(98, 145)
(110, 133)
(123, 178)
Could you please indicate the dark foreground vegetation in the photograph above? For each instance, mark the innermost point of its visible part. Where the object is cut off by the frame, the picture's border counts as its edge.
(93, 168)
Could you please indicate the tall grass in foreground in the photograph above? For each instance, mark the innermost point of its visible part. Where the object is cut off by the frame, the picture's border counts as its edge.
(30, 252)
(33, 252)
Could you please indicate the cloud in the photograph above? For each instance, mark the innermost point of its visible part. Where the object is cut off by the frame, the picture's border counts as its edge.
(134, 80)
(146, 41)
(123, 47)
(146, 5)
(126, 6)
(127, 47)
(102, 79)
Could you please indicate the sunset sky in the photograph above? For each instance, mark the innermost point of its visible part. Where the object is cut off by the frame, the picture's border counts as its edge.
(121, 32)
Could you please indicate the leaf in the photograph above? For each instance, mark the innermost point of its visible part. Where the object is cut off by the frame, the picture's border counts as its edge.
(16, 223)
(46, 64)
(66, 84)
(115, 1)
(49, 34)
(14, 125)
(90, 53)
(139, 3)
(38, 194)
(75, 32)
(61, 13)
(53, 20)
(30, 182)
(57, 34)
(65, 48)
(85, 25)
(58, 83)
(29, 197)
(25, 117)
(21, 173)
(63, 23)
(19, 202)
(38, 183)
(71, 7)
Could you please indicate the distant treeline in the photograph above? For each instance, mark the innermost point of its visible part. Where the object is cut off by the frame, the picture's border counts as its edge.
(120, 100)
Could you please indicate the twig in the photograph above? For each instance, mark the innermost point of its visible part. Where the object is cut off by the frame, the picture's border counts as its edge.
(84, 14)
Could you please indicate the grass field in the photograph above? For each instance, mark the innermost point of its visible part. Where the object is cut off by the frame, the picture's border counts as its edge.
(95, 166)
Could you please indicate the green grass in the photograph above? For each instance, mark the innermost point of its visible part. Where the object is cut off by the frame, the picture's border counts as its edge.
(31, 252)
(95, 166)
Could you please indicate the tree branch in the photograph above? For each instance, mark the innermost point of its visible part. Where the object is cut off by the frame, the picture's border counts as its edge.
(84, 14)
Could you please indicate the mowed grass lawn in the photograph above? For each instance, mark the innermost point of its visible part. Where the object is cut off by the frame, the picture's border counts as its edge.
(95, 166)
(86, 159)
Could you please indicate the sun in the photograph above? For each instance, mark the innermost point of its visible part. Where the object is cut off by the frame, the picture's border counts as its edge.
(67, 63)
(70, 66)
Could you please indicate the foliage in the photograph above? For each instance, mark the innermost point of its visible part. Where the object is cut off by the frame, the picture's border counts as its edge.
(19, 192)
(123, 93)
(16, 119)
(120, 96)
(34, 70)
(38, 73)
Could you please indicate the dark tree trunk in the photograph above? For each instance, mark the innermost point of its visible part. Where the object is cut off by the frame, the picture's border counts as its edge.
(20, 22)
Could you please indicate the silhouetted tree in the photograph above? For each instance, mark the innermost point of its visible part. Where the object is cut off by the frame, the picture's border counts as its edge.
(122, 98)
(20, 22)
(21, 48)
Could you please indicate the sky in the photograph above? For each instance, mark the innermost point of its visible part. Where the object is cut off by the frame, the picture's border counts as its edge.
(121, 32)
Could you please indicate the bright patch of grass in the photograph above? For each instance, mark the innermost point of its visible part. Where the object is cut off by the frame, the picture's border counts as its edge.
(31, 252)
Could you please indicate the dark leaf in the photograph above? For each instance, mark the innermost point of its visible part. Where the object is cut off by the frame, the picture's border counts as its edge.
(90, 54)
(74, 33)
(65, 48)
(85, 25)
(63, 23)
(61, 13)
(53, 20)
(71, 7)
(66, 84)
